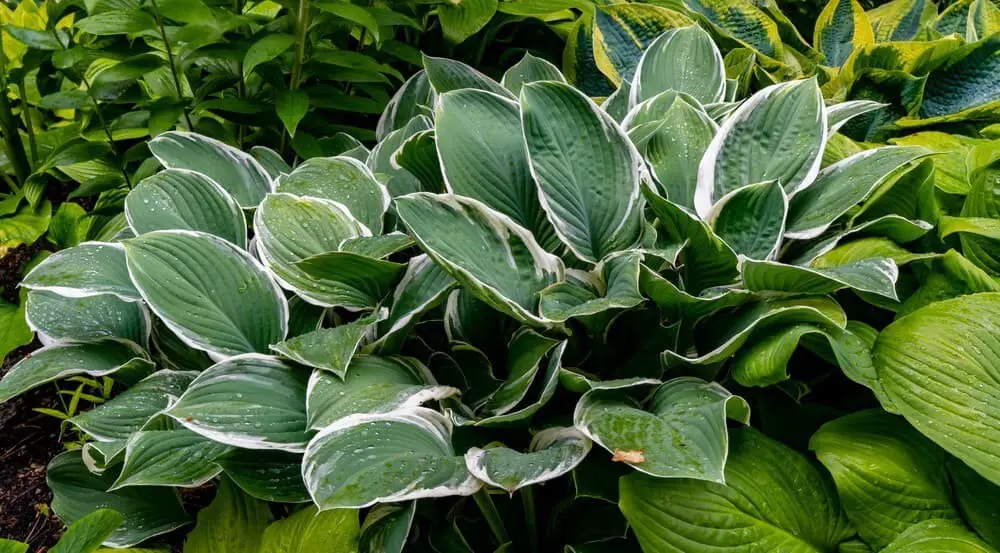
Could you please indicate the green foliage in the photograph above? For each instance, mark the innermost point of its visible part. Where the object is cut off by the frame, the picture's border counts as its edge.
(759, 275)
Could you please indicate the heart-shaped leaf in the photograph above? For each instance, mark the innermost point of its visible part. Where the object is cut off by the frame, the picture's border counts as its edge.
(552, 453)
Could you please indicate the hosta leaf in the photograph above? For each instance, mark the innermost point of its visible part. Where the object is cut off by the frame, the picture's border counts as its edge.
(57, 317)
(978, 499)
(709, 261)
(176, 458)
(90, 269)
(840, 114)
(496, 259)
(900, 20)
(424, 285)
(685, 60)
(386, 528)
(344, 180)
(271, 161)
(730, 332)
(528, 70)
(841, 186)
(944, 394)
(131, 410)
(553, 452)
(682, 435)
(415, 97)
(964, 85)
(182, 199)
(934, 536)
(895, 228)
(586, 168)
(372, 385)
(673, 146)
(777, 134)
(211, 293)
(418, 156)
(622, 33)
(876, 275)
(235, 171)
(765, 361)
(951, 152)
(526, 351)
(392, 457)
(88, 533)
(329, 349)
(291, 229)
(751, 219)
(100, 456)
(889, 476)
(481, 148)
(377, 247)
(446, 75)
(147, 511)
(841, 28)
(312, 530)
(354, 281)
(233, 522)
(620, 279)
(250, 401)
(802, 514)
(97, 358)
(460, 20)
(743, 21)
(579, 65)
(268, 475)
(982, 203)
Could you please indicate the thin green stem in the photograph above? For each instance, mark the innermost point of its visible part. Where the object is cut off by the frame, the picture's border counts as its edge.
(492, 516)
(170, 60)
(301, 28)
(528, 499)
(28, 125)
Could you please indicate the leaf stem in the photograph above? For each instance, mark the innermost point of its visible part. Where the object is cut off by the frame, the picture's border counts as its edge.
(28, 125)
(171, 61)
(492, 516)
(528, 499)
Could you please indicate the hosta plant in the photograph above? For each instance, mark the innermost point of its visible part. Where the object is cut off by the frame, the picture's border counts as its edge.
(525, 321)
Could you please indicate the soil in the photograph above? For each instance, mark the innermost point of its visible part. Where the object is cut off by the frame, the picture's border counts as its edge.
(28, 441)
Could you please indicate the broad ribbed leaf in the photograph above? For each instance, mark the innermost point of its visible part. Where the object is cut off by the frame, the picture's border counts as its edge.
(586, 168)
(773, 500)
(939, 367)
(622, 32)
(311, 530)
(415, 97)
(841, 28)
(386, 528)
(270, 160)
(982, 203)
(90, 269)
(211, 293)
(482, 153)
(526, 351)
(840, 114)
(329, 349)
(751, 219)
(446, 75)
(493, 257)
(423, 286)
(250, 401)
(728, 332)
(131, 410)
(175, 458)
(685, 60)
(552, 453)
(843, 185)
(372, 385)
(57, 317)
(235, 171)
(61, 360)
(978, 499)
(269, 475)
(777, 134)
(392, 457)
(673, 146)
(876, 275)
(185, 200)
(232, 523)
(354, 281)
(528, 70)
(618, 275)
(938, 536)
(681, 435)
(418, 156)
(344, 180)
(889, 477)
(964, 84)
(76, 491)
